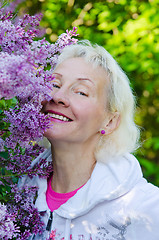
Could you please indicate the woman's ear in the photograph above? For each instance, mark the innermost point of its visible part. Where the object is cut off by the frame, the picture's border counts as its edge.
(112, 124)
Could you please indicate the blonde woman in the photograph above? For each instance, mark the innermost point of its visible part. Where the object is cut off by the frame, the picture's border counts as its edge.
(96, 191)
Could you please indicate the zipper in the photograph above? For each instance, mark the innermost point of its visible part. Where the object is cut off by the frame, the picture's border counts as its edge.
(48, 227)
(33, 237)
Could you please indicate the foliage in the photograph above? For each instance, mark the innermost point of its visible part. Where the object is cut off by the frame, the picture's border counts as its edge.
(129, 30)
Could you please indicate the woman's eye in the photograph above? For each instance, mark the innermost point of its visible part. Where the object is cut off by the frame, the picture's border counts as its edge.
(83, 94)
(55, 85)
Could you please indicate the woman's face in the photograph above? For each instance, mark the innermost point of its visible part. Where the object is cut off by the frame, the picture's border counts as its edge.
(78, 107)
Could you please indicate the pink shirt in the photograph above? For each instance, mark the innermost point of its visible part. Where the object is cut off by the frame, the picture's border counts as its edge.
(55, 200)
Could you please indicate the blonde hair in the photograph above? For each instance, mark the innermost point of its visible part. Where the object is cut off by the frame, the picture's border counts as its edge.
(120, 97)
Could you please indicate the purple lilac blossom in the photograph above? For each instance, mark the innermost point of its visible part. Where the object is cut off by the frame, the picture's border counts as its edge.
(8, 229)
(19, 162)
(27, 123)
(13, 77)
(27, 216)
(11, 6)
(16, 38)
(1, 145)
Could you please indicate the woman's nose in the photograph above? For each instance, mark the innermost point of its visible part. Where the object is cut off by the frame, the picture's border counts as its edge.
(61, 97)
(44, 102)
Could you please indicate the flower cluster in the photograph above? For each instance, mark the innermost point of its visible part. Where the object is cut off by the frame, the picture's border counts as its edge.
(8, 229)
(1, 145)
(26, 74)
(20, 160)
(20, 203)
(9, 7)
(27, 122)
(27, 78)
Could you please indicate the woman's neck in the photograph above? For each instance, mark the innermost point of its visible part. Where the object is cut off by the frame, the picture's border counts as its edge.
(73, 166)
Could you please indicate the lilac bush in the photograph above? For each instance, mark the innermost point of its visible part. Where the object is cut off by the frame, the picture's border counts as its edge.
(26, 74)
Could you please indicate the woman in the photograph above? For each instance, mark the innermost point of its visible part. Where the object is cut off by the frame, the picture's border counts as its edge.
(97, 191)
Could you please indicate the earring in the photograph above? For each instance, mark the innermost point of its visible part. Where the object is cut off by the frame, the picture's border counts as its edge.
(102, 132)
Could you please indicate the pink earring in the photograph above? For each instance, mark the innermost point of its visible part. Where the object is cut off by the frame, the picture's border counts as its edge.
(102, 132)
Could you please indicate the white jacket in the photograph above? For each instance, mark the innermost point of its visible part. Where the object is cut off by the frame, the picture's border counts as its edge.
(116, 203)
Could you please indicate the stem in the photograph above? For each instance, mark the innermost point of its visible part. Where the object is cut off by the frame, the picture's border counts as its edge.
(7, 176)
(15, 175)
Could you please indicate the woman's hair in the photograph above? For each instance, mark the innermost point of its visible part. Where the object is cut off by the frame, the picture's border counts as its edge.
(120, 98)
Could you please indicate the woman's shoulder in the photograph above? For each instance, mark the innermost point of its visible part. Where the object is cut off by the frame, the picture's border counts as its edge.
(148, 194)
(143, 210)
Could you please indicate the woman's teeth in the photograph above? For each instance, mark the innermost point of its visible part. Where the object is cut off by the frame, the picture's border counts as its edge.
(60, 117)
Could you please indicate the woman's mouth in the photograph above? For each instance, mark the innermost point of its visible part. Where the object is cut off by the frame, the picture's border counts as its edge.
(57, 116)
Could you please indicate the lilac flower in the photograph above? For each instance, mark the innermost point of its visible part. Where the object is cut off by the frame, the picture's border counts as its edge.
(42, 169)
(13, 77)
(1, 145)
(1, 183)
(15, 38)
(66, 38)
(27, 216)
(6, 16)
(20, 160)
(26, 124)
(8, 229)
(11, 6)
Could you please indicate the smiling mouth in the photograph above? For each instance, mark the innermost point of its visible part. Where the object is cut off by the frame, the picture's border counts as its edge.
(59, 117)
